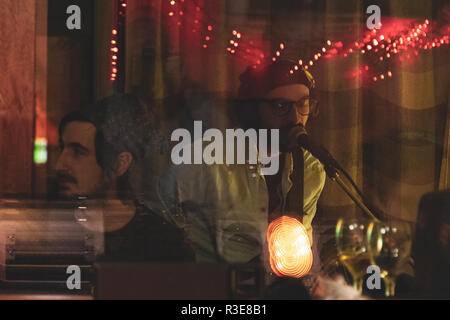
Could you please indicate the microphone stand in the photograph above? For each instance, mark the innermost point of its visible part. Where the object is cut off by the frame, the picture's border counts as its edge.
(336, 177)
(332, 169)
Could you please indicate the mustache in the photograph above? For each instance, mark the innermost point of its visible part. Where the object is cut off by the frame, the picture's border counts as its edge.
(65, 177)
(291, 125)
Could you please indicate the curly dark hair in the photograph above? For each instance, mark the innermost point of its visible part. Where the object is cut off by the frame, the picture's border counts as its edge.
(121, 126)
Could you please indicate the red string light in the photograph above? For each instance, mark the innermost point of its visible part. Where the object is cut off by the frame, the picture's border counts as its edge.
(247, 51)
(121, 7)
(378, 46)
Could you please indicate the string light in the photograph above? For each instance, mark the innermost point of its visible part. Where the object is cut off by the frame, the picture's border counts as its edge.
(247, 50)
(377, 46)
(180, 9)
(121, 7)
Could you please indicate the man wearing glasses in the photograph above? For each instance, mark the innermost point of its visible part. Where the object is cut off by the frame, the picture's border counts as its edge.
(278, 96)
(225, 209)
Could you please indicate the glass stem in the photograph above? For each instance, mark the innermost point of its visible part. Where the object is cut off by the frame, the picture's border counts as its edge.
(389, 283)
(358, 284)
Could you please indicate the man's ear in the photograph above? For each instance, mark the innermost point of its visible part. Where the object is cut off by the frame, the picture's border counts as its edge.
(123, 163)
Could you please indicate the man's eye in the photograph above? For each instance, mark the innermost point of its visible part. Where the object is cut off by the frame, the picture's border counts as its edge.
(79, 152)
(282, 105)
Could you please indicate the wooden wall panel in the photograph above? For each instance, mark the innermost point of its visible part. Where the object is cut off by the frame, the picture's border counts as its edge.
(17, 62)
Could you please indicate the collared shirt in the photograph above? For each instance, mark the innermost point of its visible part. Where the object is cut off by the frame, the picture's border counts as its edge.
(224, 208)
(313, 184)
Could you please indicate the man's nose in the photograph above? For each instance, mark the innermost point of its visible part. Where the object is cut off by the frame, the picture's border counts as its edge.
(295, 116)
(62, 162)
(298, 117)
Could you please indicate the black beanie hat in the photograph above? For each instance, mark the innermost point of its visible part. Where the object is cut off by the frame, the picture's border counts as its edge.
(257, 81)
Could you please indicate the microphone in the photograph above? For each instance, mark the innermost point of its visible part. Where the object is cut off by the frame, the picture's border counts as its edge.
(300, 136)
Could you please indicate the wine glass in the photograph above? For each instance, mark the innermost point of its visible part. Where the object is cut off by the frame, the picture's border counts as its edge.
(389, 249)
(351, 243)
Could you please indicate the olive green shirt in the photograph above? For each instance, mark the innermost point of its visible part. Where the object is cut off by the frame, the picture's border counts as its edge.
(224, 208)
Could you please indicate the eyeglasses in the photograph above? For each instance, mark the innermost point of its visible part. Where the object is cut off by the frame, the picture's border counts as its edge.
(307, 106)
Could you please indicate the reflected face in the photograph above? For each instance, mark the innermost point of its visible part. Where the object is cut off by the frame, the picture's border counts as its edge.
(293, 92)
(77, 169)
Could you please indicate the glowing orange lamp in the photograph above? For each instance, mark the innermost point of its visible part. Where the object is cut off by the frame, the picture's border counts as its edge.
(289, 248)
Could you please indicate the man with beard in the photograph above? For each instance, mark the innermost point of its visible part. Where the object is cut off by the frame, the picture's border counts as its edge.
(225, 209)
(273, 97)
(101, 164)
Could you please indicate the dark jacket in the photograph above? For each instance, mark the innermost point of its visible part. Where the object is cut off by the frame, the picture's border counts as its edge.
(147, 237)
